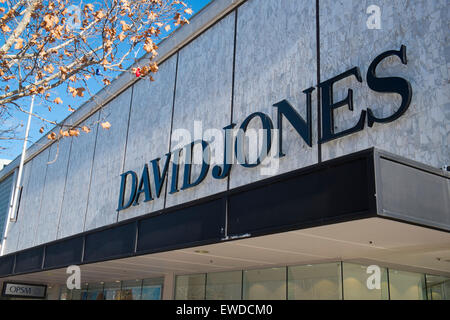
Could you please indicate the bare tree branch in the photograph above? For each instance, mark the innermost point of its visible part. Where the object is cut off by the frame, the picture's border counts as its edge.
(52, 43)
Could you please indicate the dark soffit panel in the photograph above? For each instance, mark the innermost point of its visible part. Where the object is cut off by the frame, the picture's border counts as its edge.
(63, 253)
(331, 193)
(6, 265)
(184, 227)
(411, 191)
(29, 260)
(337, 190)
(110, 243)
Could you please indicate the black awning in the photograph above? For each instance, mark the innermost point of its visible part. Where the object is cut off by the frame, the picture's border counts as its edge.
(369, 183)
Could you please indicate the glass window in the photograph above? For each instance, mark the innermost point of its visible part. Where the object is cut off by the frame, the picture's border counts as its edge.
(75, 294)
(356, 280)
(190, 287)
(406, 285)
(438, 287)
(112, 291)
(266, 284)
(131, 290)
(224, 285)
(152, 289)
(315, 282)
(83, 292)
(95, 291)
(65, 294)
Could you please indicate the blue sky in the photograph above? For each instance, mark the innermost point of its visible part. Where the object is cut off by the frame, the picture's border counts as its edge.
(58, 113)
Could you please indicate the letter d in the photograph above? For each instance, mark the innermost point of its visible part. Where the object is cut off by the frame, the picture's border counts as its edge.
(123, 185)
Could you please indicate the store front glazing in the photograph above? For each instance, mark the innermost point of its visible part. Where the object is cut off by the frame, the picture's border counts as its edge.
(146, 289)
(326, 281)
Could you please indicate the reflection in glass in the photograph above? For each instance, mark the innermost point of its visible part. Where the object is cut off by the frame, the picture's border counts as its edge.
(131, 290)
(84, 292)
(315, 282)
(355, 283)
(75, 294)
(65, 294)
(112, 291)
(224, 285)
(406, 285)
(268, 284)
(95, 291)
(438, 287)
(190, 287)
(152, 289)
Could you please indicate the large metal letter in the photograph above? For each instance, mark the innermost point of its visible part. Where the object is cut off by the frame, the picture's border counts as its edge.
(303, 128)
(389, 84)
(123, 185)
(328, 106)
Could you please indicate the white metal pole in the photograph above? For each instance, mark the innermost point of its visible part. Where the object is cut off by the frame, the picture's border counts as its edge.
(12, 208)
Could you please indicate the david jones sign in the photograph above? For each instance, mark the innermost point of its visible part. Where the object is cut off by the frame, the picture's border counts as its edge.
(141, 185)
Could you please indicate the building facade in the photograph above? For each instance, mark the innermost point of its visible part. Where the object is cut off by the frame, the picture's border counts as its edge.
(287, 150)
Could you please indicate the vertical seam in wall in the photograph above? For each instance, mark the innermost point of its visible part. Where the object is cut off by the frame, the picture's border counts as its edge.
(43, 257)
(142, 289)
(287, 283)
(171, 123)
(14, 264)
(342, 280)
(42, 194)
(90, 174)
(22, 199)
(64, 189)
(389, 285)
(13, 178)
(136, 236)
(126, 139)
(242, 284)
(206, 280)
(319, 115)
(174, 286)
(231, 112)
(233, 78)
(83, 248)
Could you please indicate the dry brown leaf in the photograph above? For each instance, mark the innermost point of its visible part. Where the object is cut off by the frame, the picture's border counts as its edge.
(58, 100)
(64, 133)
(49, 68)
(5, 28)
(125, 26)
(76, 91)
(105, 125)
(74, 132)
(122, 36)
(19, 44)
